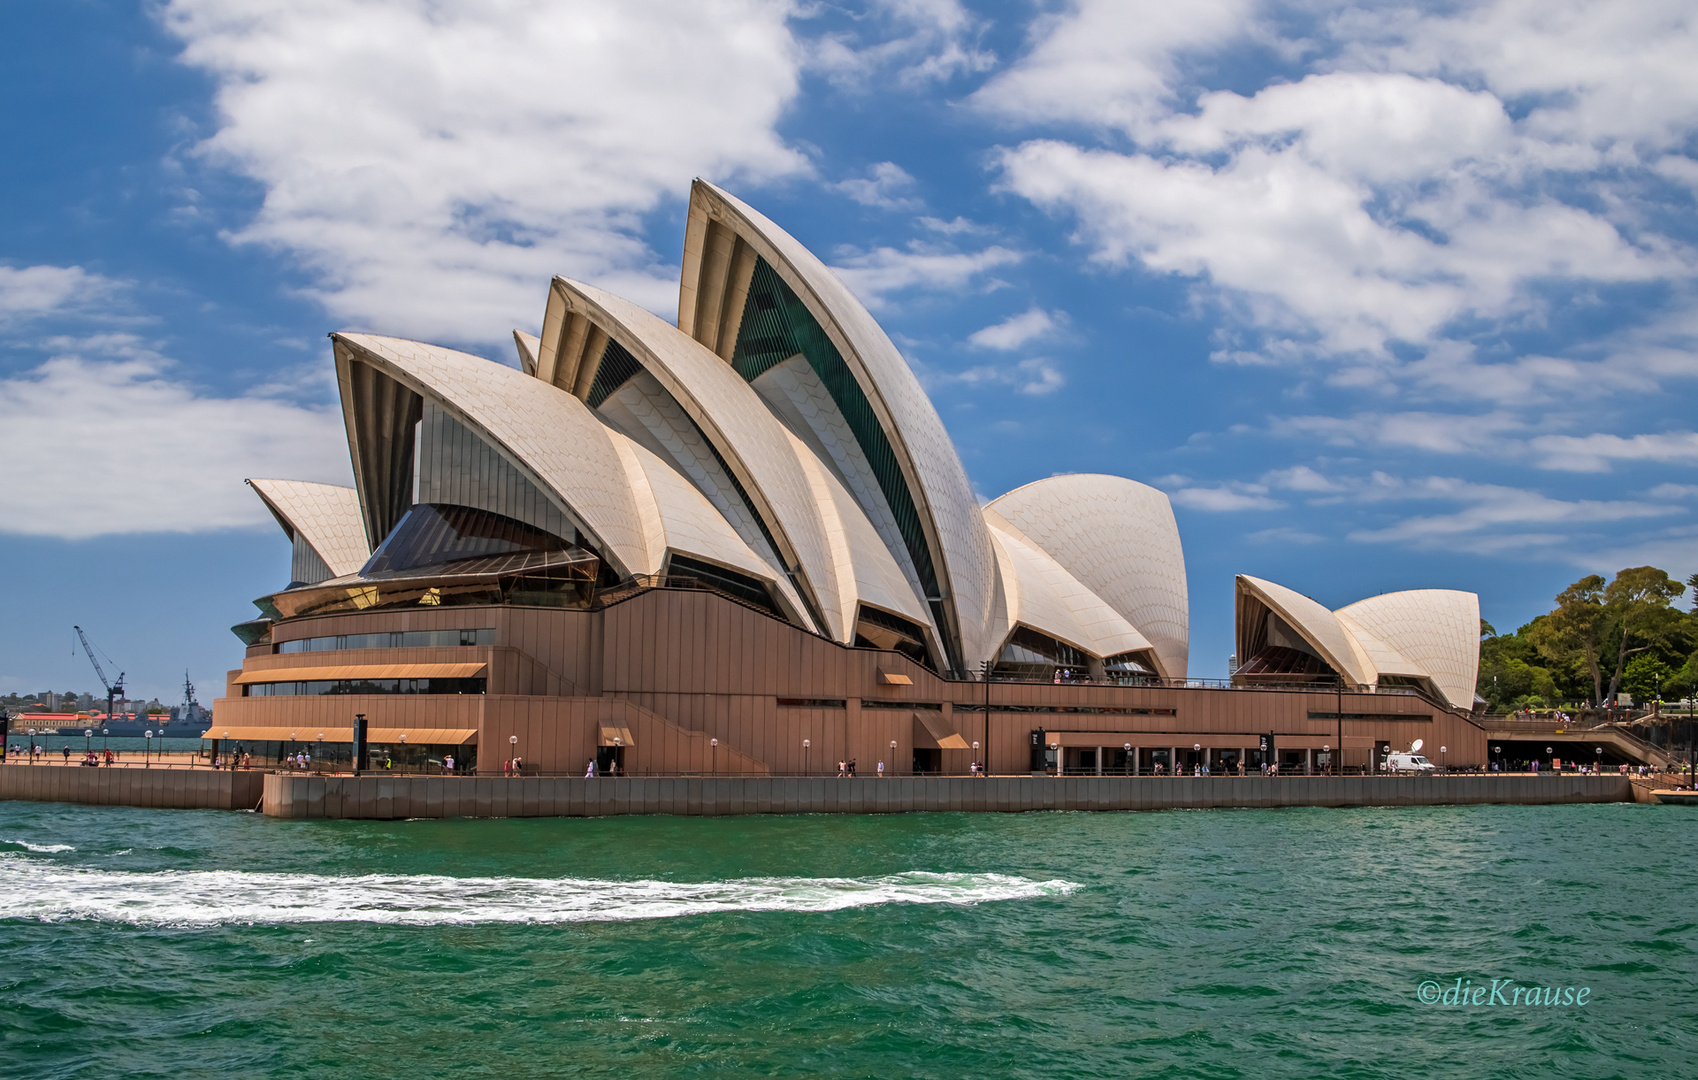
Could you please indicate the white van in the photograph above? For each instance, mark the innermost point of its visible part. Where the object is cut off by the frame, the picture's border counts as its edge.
(1409, 762)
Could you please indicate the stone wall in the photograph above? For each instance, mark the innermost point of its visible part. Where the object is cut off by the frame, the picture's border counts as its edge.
(165, 788)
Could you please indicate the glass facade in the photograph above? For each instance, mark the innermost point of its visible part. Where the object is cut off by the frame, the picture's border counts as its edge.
(742, 586)
(305, 566)
(614, 369)
(318, 687)
(401, 639)
(776, 326)
(431, 535)
(455, 467)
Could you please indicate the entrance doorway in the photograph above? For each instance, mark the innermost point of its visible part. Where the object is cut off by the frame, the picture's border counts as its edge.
(927, 761)
(1149, 757)
(607, 757)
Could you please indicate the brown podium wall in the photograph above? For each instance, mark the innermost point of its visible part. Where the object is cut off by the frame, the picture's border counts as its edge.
(685, 666)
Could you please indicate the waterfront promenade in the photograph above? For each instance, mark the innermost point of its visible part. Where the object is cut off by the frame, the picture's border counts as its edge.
(321, 795)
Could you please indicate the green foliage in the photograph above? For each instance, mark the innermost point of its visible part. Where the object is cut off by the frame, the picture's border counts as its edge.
(1598, 633)
(1645, 677)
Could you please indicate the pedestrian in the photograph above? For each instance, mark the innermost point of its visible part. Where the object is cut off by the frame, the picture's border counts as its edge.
(881, 769)
(67, 754)
(108, 759)
(589, 770)
(448, 764)
(247, 760)
(518, 766)
(851, 768)
(507, 769)
(842, 769)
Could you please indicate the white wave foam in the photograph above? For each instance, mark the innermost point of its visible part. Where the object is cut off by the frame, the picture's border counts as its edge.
(31, 889)
(45, 849)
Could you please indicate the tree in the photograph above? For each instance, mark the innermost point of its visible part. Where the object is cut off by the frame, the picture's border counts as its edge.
(1576, 627)
(1637, 603)
(1646, 677)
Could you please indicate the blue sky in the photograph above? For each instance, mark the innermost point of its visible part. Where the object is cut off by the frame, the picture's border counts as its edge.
(1384, 296)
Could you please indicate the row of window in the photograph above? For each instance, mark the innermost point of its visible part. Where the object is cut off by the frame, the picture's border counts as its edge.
(400, 639)
(317, 687)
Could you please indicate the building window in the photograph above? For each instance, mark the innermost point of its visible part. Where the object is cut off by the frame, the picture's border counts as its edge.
(317, 687)
(811, 703)
(403, 639)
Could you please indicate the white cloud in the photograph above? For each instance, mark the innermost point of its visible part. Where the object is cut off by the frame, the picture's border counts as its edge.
(1488, 509)
(1016, 330)
(1443, 433)
(431, 165)
(1036, 376)
(1673, 491)
(1284, 535)
(33, 292)
(887, 186)
(103, 438)
(1596, 452)
(872, 275)
(910, 42)
(1430, 179)
(1301, 478)
(1226, 497)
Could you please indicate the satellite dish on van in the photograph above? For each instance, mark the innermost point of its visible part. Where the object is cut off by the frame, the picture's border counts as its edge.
(1415, 748)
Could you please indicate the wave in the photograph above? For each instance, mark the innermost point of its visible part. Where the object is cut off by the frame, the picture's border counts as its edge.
(44, 849)
(30, 889)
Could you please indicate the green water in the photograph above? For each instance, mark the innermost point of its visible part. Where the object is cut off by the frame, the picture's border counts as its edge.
(1189, 944)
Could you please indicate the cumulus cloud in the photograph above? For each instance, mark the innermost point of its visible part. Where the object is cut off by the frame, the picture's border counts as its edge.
(34, 292)
(1036, 376)
(887, 186)
(1226, 497)
(1016, 330)
(106, 437)
(431, 165)
(1597, 452)
(1427, 180)
(874, 275)
(910, 42)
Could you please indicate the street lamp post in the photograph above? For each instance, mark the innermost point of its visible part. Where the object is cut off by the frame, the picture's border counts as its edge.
(103, 733)
(892, 757)
(512, 748)
(1128, 762)
(713, 756)
(1196, 748)
(1548, 750)
(986, 666)
(805, 744)
(88, 741)
(1326, 748)
(403, 752)
(147, 749)
(975, 759)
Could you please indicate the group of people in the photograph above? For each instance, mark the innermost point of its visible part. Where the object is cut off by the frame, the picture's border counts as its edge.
(594, 769)
(513, 767)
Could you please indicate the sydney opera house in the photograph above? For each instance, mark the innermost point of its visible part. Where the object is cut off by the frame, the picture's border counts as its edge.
(744, 543)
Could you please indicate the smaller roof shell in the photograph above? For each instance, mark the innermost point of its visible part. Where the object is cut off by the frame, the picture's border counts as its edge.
(327, 516)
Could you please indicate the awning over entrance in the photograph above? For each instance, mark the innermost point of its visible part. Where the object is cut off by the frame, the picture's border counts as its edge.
(610, 732)
(931, 721)
(415, 736)
(362, 671)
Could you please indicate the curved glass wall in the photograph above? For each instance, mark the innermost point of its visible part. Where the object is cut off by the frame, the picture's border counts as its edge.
(455, 466)
(431, 535)
(776, 325)
(1035, 656)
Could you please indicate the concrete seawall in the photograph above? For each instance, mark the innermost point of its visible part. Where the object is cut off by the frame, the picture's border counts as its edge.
(390, 797)
(168, 789)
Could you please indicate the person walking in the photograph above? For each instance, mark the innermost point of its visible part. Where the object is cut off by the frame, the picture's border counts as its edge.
(881, 769)
(842, 769)
(589, 770)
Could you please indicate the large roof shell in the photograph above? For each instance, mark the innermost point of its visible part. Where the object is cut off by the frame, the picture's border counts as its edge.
(327, 516)
(957, 536)
(1437, 631)
(1119, 539)
(1039, 593)
(552, 437)
(751, 441)
(1318, 626)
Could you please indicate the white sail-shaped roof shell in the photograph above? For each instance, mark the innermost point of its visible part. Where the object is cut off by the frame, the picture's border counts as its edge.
(1039, 593)
(1119, 539)
(957, 537)
(1435, 631)
(753, 444)
(634, 507)
(1431, 635)
(326, 516)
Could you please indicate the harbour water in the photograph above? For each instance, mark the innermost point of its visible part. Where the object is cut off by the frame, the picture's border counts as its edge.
(1289, 943)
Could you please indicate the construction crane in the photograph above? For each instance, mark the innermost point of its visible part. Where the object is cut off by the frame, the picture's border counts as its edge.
(113, 690)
